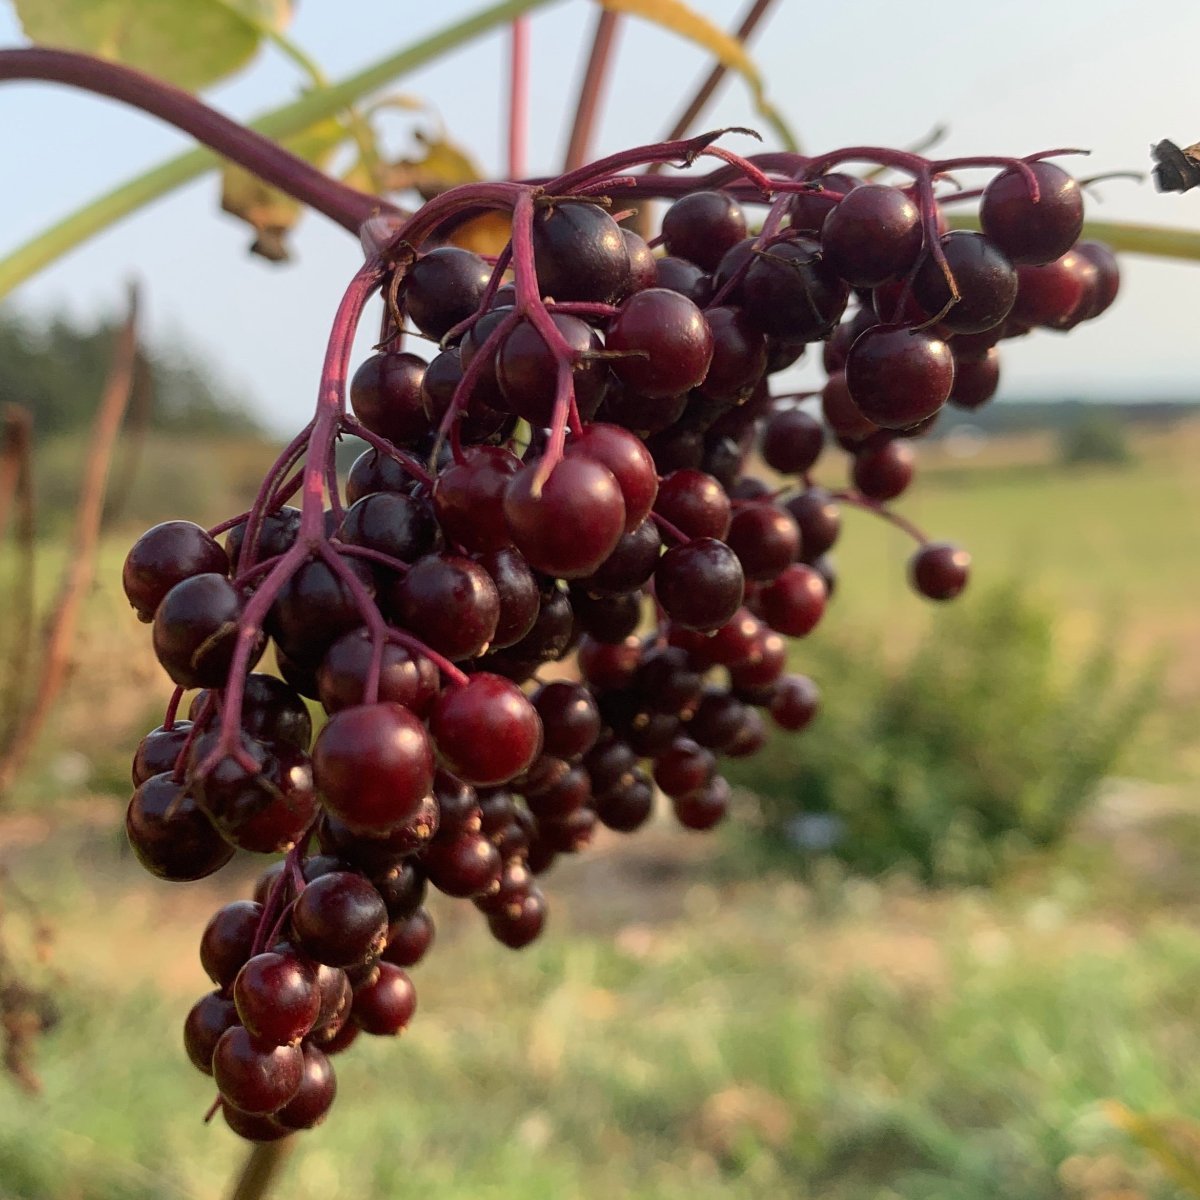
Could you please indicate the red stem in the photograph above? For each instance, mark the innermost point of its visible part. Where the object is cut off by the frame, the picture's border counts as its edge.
(591, 90)
(518, 97)
(858, 500)
(268, 160)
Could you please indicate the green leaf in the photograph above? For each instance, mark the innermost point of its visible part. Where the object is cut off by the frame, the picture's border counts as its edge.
(193, 45)
(683, 20)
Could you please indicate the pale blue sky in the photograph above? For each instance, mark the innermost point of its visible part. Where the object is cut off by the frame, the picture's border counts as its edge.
(1008, 78)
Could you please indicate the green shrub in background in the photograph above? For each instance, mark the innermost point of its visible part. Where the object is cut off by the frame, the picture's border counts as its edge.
(981, 746)
(1095, 439)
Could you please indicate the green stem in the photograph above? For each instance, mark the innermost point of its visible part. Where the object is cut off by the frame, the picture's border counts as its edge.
(1156, 241)
(283, 122)
(355, 125)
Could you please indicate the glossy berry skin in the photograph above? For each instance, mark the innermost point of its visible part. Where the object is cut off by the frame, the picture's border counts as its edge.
(897, 376)
(166, 555)
(486, 730)
(680, 275)
(986, 282)
(195, 630)
(340, 920)
(385, 1006)
(629, 461)
(259, 1130)
(627, 568)
(643, 272)
(449, 602)
(702, 226)
(1108, 276)
(1051, 295)
(465, 865)
(159, 751)
(517, 589)
(443, 287)
(700, 584)
(373, 765)
(521, 922)
(739, 356)
(792, 441)
(208, 1019)
(580, 254)
(1027, 230)
(795, 702)
(277, 997)
(266, 811)
(789, 292)
(668, 340)
(228, 940)
(843, 416)
(276, 535)
(468, 498)
(765, 538)
(569, 716)
(405, 677)
(819, 518)
(394, 524)
(872, 235)
(795, 602)
(884, 471)
(574, 524)
(684, 767)
(702, 809)
(695, 503)
(975, 380)
(939, 570)
(169, 834)
(256, 1078)
(527, 370)
(315, 1096)
(385, 393)
(315, 607)
(409, 938)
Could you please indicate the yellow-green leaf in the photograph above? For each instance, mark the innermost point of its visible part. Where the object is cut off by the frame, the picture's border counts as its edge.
(1173, 1142)
(443, 165)
(682, 19)
(192, 45)
(270, 212)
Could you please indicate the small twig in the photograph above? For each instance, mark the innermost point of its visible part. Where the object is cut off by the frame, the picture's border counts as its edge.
(712, 81)
(591, 89)
(16, 487)
(60, 629)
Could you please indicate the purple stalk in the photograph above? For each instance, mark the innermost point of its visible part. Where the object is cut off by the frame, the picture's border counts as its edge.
(412, 465)
(268, 160)
(858, 500)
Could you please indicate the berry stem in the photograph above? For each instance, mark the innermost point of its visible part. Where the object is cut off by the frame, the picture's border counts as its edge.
(412, 465)
(173, 704)
(672, 531)
(440, 661)
(858, 500)
(375, 556)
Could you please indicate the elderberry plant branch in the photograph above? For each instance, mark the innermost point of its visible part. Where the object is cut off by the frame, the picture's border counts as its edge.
(857, 500)
(282, 122)
(270, 161)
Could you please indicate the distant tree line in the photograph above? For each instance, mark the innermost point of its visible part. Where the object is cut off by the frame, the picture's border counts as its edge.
(56, 368)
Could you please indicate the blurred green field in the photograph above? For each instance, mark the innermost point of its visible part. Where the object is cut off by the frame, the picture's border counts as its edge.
(690, 1026)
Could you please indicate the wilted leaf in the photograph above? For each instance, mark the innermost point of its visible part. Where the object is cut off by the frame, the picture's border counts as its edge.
(270, 212)
(443, 165)
(192, 45)
(682, 19)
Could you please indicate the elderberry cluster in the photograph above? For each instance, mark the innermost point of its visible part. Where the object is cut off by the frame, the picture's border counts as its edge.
(572, 473)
